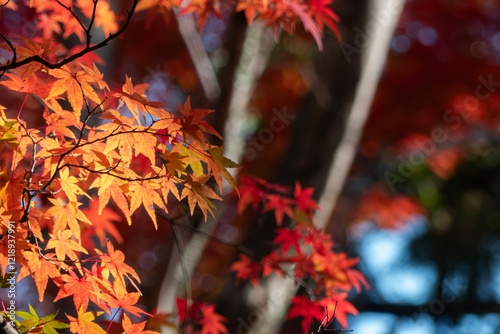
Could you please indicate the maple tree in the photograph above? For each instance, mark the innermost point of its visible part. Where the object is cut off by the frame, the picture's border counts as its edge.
(100, 147)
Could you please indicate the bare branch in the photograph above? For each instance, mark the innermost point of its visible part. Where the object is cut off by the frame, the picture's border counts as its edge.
(74, 15)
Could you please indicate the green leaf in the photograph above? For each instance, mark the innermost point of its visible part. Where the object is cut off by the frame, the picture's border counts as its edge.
(8, 276)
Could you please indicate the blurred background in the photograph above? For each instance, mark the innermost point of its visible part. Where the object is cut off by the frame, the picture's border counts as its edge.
(396, 127)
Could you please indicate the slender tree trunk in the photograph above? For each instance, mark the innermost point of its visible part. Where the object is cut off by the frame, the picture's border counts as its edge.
(251, 61)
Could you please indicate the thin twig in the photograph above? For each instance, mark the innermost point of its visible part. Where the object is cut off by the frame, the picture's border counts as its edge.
(87, 49)
(177, 239)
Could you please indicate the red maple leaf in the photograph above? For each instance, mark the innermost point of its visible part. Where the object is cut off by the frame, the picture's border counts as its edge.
(309, 310)
(338, 305)
(250, 193)
(303, 199)
(212, 323)
(193, 310)
(287, 238)
(247, 269)
(280, 205)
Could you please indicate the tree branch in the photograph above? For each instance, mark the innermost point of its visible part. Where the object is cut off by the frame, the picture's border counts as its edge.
(6, 327)
(15, 64)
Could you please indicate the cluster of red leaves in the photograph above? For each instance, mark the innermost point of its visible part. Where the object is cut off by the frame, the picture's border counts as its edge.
(313, 14)
(304, 248)
(387, 210)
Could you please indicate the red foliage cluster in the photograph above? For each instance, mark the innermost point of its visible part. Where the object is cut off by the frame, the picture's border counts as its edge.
(302, 247)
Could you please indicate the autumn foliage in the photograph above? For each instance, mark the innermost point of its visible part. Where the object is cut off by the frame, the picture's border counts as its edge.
(102, 147)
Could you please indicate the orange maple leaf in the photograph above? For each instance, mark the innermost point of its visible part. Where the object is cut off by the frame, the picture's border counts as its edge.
(85, 323)
(69, 186)
(131, 328)
(32, 48)
(102, 222)
(82, 290)
(64, 245)
(67, 215)
(120, 298)
(192, 124)
(109, 188)
(104, 17)
(75, 85)
(136, 100)
(199, 194)
(41, 270)
(113, 263)
(145, 193)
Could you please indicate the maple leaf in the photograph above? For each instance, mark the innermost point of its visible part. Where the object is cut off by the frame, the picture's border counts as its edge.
(280, 205)
(34, 324)
(287, 238)
(218, 165)
(309, 24)
(67, 216)
(108, 187)
(212, 323)
(303, 198)
(64, 246)
(169, 185)
(309, 310)
(104, 17)
(10, 189)
(250, 193)
(321, 12)
(138, 328)
(31, 318)
(193, 310)
(113, 263)
(33, 48)
(145, 144)
(41, 270)
(321, 242)
(28, 85)
(102, 222)
(198, 193)
(247, 269)
(80, 288)
(85, 324)
(75, 85)
(356, 278)
(9, 132)
(272, 264)
(192, 124)
(58, 123)
(136, 100)
(338, 305)
(122, 141)
(120, 298)
(145, 193)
